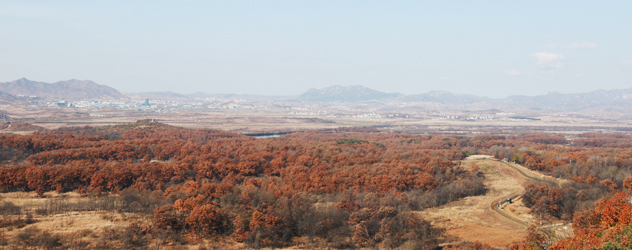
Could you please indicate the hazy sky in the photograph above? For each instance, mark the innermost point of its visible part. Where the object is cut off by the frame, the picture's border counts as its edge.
(490, 48)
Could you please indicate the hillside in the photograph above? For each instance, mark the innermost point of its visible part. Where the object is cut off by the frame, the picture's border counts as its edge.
(339, 93)
(70, 89)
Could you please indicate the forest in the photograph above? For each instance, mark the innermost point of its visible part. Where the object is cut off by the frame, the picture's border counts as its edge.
(342, 189)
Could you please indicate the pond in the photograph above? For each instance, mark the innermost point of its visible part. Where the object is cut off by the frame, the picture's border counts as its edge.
(266, 136)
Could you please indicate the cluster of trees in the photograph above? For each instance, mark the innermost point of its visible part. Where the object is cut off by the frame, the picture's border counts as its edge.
(356, 129)
(63, 162)
(542, 138)
(603, 140)
(606, 226)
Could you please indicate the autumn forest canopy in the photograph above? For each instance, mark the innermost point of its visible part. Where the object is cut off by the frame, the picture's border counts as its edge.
(346, 188)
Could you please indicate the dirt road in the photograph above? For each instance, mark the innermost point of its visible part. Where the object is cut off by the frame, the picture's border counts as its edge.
(503, 208)
(478, 218)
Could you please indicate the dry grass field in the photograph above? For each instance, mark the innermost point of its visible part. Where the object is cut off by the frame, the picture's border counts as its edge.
(52, 215)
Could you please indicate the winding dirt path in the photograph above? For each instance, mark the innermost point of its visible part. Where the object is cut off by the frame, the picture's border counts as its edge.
(478, 218)
(504, 209)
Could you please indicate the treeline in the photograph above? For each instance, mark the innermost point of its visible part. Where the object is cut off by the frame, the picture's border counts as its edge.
(603, 140)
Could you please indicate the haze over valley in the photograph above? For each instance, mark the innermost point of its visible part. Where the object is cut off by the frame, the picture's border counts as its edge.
(85, 102)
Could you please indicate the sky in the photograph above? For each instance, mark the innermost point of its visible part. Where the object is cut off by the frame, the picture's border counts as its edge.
(487, 48)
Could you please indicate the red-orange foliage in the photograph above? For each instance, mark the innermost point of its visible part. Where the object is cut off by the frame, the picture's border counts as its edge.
(607, 224)
(205, 219)
(167, 217)
(542, 138)
(627, 182)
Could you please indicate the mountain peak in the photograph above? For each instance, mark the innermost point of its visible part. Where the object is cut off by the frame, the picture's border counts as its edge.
(69, 89)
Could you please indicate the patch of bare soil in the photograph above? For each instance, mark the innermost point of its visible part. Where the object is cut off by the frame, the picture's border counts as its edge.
(479, 157)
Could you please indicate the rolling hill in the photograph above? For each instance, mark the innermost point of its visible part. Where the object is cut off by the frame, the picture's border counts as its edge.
(70, 89)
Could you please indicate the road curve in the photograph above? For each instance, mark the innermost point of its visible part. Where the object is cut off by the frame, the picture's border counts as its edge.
(508, 214)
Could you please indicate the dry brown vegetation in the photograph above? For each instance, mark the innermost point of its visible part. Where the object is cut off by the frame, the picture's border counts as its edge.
(150, 185)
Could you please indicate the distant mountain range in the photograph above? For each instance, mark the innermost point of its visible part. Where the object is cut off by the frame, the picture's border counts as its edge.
(71, 89)
(339, 93)
(577, 101)
(618, 99)
(444, 97)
